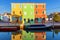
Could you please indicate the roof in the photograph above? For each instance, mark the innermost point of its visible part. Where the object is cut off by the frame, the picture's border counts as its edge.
(7, 13)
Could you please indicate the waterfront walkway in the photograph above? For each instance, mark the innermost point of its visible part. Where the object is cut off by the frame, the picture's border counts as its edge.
(41, 27)
(16, 24)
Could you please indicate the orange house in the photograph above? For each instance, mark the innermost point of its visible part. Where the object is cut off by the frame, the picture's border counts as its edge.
(40, 10)
(40, 13)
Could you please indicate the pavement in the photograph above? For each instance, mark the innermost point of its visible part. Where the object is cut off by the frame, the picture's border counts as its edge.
(8, 24)
(16, 24)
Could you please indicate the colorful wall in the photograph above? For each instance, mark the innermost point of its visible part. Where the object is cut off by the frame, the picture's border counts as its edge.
(40, 10)
(16, 11)
(27, 36)
(40, 35)
(16, 36)
(28, 12)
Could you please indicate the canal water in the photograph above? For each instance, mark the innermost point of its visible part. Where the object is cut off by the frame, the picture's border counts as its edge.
(49, 35)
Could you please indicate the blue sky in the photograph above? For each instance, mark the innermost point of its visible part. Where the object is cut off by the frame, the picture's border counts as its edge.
(51, 5)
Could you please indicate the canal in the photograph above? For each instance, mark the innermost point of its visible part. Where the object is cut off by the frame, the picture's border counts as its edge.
(50, 35)
(45, 35)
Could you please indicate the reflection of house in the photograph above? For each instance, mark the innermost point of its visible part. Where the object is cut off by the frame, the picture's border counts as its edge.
(28, 36)
(40, 36)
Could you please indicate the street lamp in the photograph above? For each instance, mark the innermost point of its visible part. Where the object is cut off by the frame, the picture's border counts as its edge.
(53, 24)
(53, 20)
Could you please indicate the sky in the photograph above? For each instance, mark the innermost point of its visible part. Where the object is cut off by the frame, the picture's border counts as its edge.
(51, 5)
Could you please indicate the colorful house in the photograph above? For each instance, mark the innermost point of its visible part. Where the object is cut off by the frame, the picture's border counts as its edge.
(28, 17)
(40, 11)
(16, 11)
(28, 12)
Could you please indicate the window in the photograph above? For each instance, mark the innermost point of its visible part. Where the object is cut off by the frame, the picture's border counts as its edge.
(31, 13)
(28, 20)
(43, 19)
(31, 19)
(24, 36)
(24, 19)
(43, 12)
(43, 36)
(36, 19)
(31, 36)
(36, 6)
(20, 18)
(25, 6)
(25, 13)
(13, 37)
(13, 12)
(36, 37)
(20, 12)
(20, 5)
(13, 6)
(20, 37)
(36, 12)
(43, 6)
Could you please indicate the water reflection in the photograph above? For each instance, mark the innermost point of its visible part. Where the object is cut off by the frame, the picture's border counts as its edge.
(33, 35)
(48, 35)
(40, 35)
(54, 35)
(5, 35)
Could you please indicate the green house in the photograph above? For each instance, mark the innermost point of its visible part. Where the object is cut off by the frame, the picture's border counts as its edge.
(28, 17)
(28, 12)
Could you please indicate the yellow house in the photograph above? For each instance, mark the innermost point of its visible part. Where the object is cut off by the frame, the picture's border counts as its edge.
(16, 11)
